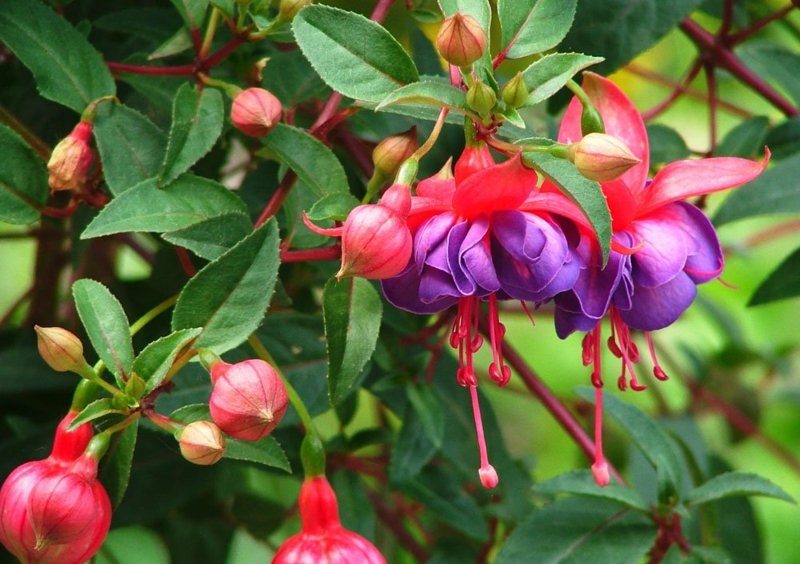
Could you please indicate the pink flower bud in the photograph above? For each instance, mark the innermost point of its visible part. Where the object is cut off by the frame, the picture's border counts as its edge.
(601, 157)
(71, 159)
(201, 442)
(248, 399)
(322, 537)
(255, 111)
(60, 349)
(390, 153)
(398, 199)
(376, 242)
(461, 40)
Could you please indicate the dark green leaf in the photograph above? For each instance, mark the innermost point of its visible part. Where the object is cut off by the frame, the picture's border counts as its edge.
(314, 163)
(212, 237)
(192, 11)
(666, 144)
(106, 325)
(177, 43)
(355, 510)
(533, 26)
(95, 410)
(146, 207)
(23, 371)
(782, 283)
(229, 296)
(745, 140)
(352, 311)
(776, 191)
(353, 55)
(451, 505)
(429, 409)
(580, 482)
(548, 75)
(427, 93)
(116, 470)
(131, 146)
(775, 62)
(333, 206)
(122, 543)
(227, 7)
(290, 77)
(196, 125)
(23, 179)
(584, 192)
(784, 139)
(413, 449)
(573, 531)
(731, 484)
(66, 67)
(155, 360)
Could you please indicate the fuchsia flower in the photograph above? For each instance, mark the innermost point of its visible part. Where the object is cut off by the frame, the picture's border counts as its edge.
(662, 247)
(322, 539)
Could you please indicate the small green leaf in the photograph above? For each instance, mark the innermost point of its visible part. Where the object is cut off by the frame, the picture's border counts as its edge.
(155, 360)
(95, 410)
(314, 163)
(131, 146)
(210, 238)
(196, 125)
(782, 283)
(229, 296)
(454, 507)
(354, 55)
(412, 450)
(333, 206)
(352, 311)
(581, 190)
(429, 408)
(23, 180)
(784, 139)
(731, 484)
(745, 140)
(66, 67)
(776, 62)
(355, 509)
(533, 26)
(146, 207)
(293, 80)
(548, 75)
(192, 11)
(116, 470)
(427, 93)
(177, 43)
(106, 325)
(666, 144)
(580, 482)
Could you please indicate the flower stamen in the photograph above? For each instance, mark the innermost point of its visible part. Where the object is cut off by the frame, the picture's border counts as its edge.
(486, 472)
(658, 372)
(498, 371)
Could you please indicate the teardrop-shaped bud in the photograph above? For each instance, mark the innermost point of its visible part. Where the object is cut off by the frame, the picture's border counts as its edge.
(515, 92)
(376, 243)
(71, 159)
(59, 348)
(390, 153)
(255, 111)
(461, 40)
(481, 98)
(201, 442)
(601, 157)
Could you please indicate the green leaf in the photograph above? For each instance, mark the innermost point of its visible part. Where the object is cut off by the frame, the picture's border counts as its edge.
(333, 206)
(666, 144)
(95, 410)
(354, 55)
(646, 433)
(131, 146)
(429, 409)
(155, 360)
(116, 470)
(146, 207)
(618, 30)
(548, 75)
(478, 9)
(23, 179)
(427, 93)
(731, 484)
(229, 296)
(782, 283)
(66, 67)
(121, 544)
(210, 238)
(355, 509)
(453, 506)
(177, 43)
(192, 11)
(573, 531)
(775, 62)
(745, 140)
(581, 190)
(293, 80)
(314, 163)
(106, 325)
(784, 139)
(412, 450)
(776, 191)
(533, 26)
(580, 482)
(196, 125)
(352, 311)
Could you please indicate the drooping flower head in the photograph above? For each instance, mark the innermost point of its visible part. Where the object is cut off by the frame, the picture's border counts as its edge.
(662, 246)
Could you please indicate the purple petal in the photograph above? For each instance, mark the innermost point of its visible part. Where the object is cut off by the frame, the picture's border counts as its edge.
(403, 292)
(664, 248)
(429, 241)
(705, 254)
(656, 308)
(567, 322)
(469, 260)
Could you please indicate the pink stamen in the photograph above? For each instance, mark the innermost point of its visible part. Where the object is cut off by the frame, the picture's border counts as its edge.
(486, 472)
(727, 284)
(658, 372)
(498, 371)
(706, 273)
(621, 342)
(463, 338)
(527, 312)
(600, 466)
(623, 250)
(597, 375)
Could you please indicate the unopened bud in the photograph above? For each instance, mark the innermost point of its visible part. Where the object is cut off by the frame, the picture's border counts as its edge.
(398, 199)
(60, 349)
(461, 40)
(202, 443)
(376, 243)
(289, 8)
(390, 153)
(255, 111)
(591, 120)
(515, 92)
(71, 159)
(481, 98)
(601, 157)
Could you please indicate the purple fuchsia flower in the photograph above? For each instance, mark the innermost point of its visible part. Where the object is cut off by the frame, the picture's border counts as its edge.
(662, 247)
(485, 234)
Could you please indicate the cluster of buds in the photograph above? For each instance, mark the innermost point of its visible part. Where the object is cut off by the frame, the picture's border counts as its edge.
(601, 157)
(55, 510)
(255, 111)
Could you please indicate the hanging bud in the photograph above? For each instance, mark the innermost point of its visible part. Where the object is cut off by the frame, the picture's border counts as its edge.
(255, 111)
(202, 443)
(289, 8)
(322, 537)
(71, 159)
(481, 98)
(461, 40)
(248, 399)
(601, 157)
(60, 349)
(390, 153)
(515, 92)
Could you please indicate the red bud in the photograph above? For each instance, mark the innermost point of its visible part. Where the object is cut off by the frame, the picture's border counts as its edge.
(376, 242)
(71, 159)
(255, 111)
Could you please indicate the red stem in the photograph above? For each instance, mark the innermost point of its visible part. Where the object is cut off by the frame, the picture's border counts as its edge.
(740, 36)
(712, 107)
(186, 262)
(394, 523)
(381, 10)
(679, 89)
(324, 253)
(274, 204)
(180, 70)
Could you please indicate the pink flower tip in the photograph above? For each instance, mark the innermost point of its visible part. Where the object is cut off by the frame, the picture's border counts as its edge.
(488, 476)
(376, 242)
(255, 111)
(600, 472)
